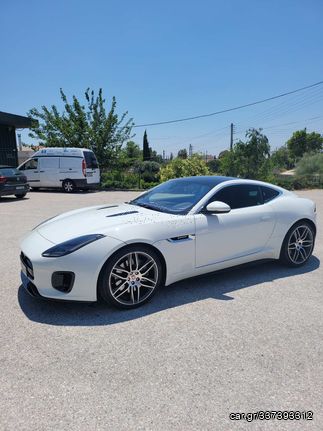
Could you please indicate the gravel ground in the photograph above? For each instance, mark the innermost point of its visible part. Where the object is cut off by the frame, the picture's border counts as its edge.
(238, 341)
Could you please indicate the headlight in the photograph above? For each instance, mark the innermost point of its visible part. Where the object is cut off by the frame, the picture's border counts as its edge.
(71, 245)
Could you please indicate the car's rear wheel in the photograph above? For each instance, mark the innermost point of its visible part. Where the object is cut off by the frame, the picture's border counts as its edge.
(131, 277)
(20, 195)
(68, 186)
(298, 244)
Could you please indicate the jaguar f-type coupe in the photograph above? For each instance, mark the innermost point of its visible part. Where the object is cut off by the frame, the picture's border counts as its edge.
(182, 228)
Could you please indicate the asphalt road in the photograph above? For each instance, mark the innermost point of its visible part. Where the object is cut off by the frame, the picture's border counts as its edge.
(240, 341)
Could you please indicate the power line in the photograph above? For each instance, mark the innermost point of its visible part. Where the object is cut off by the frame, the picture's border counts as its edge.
(286, 108)
(242, 130)
(230, 109)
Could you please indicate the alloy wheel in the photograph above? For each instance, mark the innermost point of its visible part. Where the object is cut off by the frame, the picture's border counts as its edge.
(300, 244)
(133, 278)
(68, 186)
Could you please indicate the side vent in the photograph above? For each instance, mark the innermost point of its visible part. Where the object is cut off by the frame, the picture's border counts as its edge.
(182, 238)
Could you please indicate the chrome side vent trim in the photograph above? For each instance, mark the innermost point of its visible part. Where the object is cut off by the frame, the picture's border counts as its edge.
(181, 238)
(122, 214)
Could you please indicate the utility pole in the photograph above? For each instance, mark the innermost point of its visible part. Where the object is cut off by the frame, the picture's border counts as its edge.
(19, 142)
(164, 155)
(190, 151)
(231, 136)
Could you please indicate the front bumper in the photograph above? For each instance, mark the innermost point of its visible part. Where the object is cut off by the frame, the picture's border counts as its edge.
(29, 286)
(85, 263)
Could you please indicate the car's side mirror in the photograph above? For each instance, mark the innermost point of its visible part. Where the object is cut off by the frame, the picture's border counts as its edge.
(217, 207)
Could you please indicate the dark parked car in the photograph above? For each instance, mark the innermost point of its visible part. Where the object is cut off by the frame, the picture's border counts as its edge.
(12, 182)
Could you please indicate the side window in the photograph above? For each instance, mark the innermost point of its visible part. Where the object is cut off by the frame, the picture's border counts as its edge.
(70, 163)
(49, 162)
(31, 164)
(268, 193)
(240, 196)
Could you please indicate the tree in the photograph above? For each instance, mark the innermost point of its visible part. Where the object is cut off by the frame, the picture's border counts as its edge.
(129, 155)
(156, 157)
(148, 172)
(227, 163)
(214, 165)
(146, 151)
(223, 153)
(89, 126)
(302, 142)
(248, 159)
(280, 159)
(177, 168)
(182, 154)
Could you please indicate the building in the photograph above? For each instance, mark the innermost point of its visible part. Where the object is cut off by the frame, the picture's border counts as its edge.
(24, 153)
(8, 144)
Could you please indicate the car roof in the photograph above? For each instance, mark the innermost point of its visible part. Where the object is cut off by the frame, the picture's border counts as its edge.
(61, 152)
(210, 180)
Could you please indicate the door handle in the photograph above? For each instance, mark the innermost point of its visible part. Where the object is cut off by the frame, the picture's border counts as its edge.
(35, 172)
(41, 171)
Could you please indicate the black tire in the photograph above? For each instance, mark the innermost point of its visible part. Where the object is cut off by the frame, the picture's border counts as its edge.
(296, 251)
(131, 295)
(68, 186)
(21, 195)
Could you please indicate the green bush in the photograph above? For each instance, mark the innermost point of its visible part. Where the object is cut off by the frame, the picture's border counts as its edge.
(119, 180)
(298, 182)
(310, 164)
(177, 168)
(148, 185)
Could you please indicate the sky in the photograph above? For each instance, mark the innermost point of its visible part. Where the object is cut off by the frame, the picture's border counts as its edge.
(169, 59)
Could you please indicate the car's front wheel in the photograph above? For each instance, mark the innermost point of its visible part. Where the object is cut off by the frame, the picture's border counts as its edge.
(298, 244)
(20, 195)
(131, 277)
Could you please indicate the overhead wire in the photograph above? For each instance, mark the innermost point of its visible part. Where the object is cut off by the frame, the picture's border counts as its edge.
(157, 123)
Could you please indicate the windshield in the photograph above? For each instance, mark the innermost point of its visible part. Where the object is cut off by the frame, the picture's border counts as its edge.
(175, 196)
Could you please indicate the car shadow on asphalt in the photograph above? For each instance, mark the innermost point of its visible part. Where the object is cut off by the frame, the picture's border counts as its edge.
(219, 286)
(11, 199)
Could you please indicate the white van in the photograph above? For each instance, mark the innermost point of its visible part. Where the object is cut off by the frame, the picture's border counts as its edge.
(67, 168)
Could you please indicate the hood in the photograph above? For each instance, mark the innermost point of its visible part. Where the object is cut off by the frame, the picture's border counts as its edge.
(110, 220)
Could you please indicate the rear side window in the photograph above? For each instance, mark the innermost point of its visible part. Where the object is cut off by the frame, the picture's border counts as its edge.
(9, 172)
(49, 162)
(90, 160)
(240, 196)
(268, 193)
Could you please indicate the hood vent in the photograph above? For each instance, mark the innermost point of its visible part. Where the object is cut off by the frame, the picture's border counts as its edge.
(121, 214)
(108, 206)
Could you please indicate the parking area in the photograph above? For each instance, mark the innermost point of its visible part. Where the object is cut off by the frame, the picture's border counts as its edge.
(243, 340)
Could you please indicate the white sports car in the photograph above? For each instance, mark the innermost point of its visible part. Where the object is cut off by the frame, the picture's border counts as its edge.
(179, 229)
